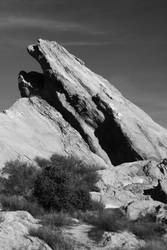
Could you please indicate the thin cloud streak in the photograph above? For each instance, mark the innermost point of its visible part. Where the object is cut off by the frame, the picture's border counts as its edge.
(18, 42)
(11, 22)
(26, 22)
(85, 43)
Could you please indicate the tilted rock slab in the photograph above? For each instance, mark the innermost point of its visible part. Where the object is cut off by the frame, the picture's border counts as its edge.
(31, 128)
(113, 128)
(70, 110)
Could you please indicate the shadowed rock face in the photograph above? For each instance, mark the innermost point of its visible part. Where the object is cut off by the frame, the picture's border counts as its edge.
(31, 83)
(112, 127)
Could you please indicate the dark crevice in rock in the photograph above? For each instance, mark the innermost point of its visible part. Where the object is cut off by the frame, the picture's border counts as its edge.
(112, 139)
(51, 96)
(107, 131)
(156, 193)
(112, 145)
(31, 83)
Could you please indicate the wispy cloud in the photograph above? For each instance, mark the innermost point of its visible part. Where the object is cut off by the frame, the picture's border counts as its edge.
(20, 42)
(11, 22)
(85, 43)
(30, 22)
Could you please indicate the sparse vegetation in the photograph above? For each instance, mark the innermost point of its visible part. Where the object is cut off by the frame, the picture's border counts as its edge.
(60, 183)
(147, 230)
(18, 178)
(64, 184)
(115, 220)
(59, 189)
(112, 220)
(54, 219)
(154, 245)
(53, 238)
(15, 202)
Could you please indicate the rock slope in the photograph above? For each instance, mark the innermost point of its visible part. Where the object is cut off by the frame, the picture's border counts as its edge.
(70, 110)
(32, 128)
(14, 232)
(112, 127)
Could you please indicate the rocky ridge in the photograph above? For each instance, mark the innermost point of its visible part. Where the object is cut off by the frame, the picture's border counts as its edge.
(69, 110)
(108, 128)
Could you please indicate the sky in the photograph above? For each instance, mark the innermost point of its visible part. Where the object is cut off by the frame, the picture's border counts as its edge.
(123, 40)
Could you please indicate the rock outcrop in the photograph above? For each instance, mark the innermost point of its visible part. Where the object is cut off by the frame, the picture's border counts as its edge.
(14, 232)
(70, 110)
(113, 128)
(31, 128)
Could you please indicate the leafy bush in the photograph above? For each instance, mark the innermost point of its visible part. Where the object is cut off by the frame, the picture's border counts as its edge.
(19, 178)
(14, 203)
(65, 184)
(53, 238)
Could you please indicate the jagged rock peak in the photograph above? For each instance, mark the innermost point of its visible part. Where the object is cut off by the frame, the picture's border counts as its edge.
(114, 129)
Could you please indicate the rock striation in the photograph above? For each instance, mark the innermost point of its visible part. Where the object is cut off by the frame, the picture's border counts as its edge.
(113, 128)
(70, 110)
(14, 233)
(31, 128)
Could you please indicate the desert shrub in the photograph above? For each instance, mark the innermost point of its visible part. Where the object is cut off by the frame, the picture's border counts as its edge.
(14, 203)
(147, 230)
(53, 238)
(114, 220)
(64, 184)
(19, 178)
(154, 245)
(97, 206)
(54, 219)
(108, 220)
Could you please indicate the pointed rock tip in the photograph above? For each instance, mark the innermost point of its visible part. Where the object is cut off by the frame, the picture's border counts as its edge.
(52, 44)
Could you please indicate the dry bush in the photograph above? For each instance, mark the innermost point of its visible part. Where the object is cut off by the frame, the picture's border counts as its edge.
(64, 184)
(154, 245)
(15, 202)
(54, 219)
(53, 238)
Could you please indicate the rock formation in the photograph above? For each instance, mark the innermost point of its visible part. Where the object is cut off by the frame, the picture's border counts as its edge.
(14, 232)
(113, 128)
(69, 110)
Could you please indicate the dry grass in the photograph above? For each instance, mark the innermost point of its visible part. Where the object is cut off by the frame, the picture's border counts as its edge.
(53, 238)
(15, 202)
(154, 245)
(114, 220)
(56, 219)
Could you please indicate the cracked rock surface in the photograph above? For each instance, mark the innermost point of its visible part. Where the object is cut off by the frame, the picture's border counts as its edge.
(70, 110)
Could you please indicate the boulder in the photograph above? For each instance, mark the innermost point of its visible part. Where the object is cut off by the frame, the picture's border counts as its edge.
(141, 208)
(14, 233)
(122, 240)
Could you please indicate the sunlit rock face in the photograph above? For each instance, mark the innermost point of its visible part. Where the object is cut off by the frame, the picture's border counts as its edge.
(14, 231)
(69, 110)
(112, 127)
(32, 128)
